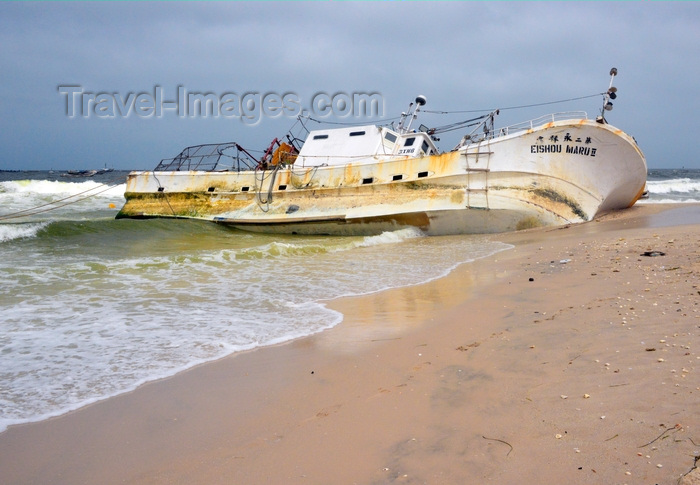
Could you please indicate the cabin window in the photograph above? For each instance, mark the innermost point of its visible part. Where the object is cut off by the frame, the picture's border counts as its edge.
(320, 137)
(422, 175)
(425, 147)
(367, 180)
(390, 137)
(397, 177)
(409, 141)
(283, 187)
(245, 189)
(357, 133)
(211, 189)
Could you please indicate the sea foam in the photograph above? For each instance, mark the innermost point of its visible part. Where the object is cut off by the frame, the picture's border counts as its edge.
(8, 232)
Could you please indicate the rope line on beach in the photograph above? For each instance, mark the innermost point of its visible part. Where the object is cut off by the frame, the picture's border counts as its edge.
(500, 441)
(675, 428)
(695, 465)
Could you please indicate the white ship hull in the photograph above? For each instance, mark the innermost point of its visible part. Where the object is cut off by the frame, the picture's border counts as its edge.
(557, 173)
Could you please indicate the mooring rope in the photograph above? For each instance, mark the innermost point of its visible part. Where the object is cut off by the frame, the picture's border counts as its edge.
(49, 206)
(512, 107)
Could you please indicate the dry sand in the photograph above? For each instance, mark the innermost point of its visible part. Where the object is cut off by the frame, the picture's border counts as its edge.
(569, 359)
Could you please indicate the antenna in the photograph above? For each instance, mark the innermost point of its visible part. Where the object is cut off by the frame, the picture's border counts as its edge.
(610, 94)
(420, 101)
(404, 114)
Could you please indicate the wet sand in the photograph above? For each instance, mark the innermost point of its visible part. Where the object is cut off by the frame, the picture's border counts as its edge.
(571, 358)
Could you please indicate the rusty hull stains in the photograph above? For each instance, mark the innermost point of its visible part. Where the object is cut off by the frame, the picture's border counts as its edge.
(529, 222)
(555, 196)
(412, 219)
(161, 204)
(313, 203)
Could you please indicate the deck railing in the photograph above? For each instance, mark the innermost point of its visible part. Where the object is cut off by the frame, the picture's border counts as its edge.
(486, 130)
(531, 124)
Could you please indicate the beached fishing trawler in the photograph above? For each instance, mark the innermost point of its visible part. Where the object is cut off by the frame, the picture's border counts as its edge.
(558, 169)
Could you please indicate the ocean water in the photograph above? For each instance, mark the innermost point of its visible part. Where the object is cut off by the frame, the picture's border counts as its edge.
(91, 307)
(673, 186)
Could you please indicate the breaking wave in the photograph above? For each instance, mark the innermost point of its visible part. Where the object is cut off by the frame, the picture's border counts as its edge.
(8, 232)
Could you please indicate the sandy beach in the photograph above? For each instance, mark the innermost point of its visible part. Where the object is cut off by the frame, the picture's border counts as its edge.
(571, 358)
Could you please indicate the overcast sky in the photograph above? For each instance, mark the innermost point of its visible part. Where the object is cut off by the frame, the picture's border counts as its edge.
(461, 56)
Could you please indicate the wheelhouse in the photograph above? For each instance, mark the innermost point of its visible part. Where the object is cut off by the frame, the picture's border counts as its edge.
(339, 146)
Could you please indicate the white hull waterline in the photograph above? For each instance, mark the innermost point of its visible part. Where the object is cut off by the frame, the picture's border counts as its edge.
(551, 172)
